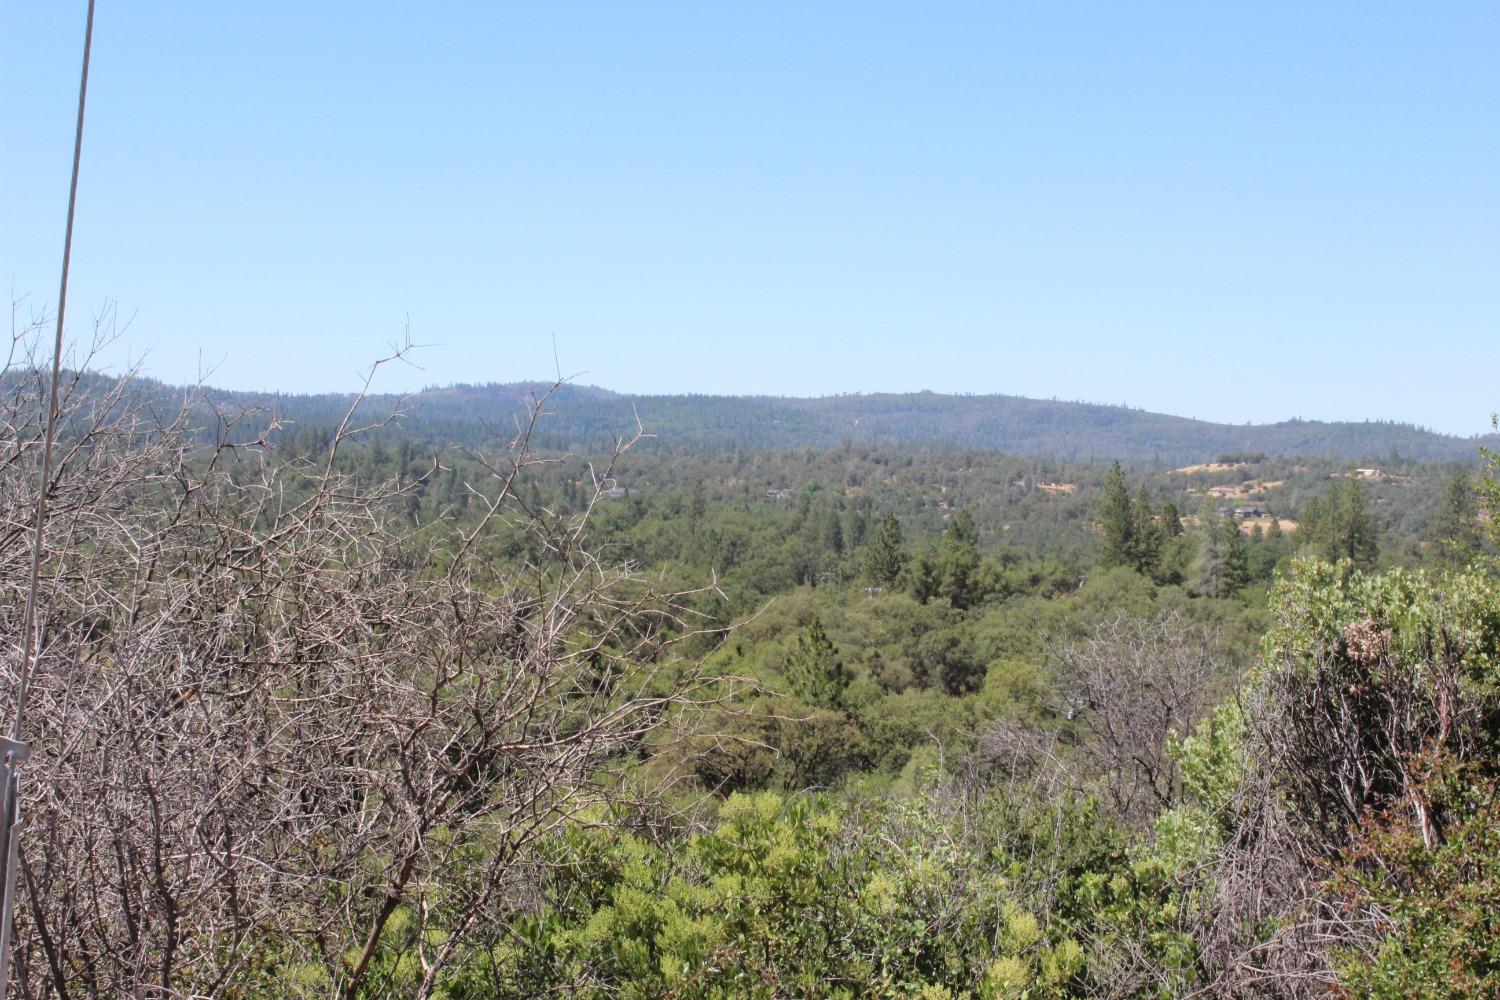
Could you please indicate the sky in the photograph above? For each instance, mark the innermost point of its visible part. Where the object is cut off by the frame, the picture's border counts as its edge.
(1239, 212)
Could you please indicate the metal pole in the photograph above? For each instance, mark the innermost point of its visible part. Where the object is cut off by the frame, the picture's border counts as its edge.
(11, 756)
(12, 750)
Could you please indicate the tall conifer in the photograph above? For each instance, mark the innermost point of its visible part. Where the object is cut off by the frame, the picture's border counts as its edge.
(1116, 519)
(885, 556)
(814, 671)
(1171, 520)
(1236, 559)
(1455, 529)
(1146, 548)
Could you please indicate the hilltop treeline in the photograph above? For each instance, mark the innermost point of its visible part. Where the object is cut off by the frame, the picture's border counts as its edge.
(584, 419)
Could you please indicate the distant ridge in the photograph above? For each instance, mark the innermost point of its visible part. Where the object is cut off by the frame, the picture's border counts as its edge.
(586, 418)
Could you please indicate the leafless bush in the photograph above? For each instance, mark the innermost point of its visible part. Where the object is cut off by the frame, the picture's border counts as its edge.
(283, 744)
(1129, 686)
(1024, 759)
(1261, 925)
(1347, 728)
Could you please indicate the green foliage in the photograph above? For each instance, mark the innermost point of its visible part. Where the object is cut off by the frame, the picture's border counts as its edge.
(1130, 532)
(1171, 520)
(911, 896)
(814, 670)
(1208, 571)
(951, 887)
(1455, 529)
(1130, 916)
(978, 559)
(1148, 535)
(1368, 674)
(885, 556)
(1439, 934)
(1401, 653)
(1117, 521)
(1236, 567)
(1337, 525)
(962, 534)
(803, 897)
(955, 573)
(1489, 484)
(1211, 759)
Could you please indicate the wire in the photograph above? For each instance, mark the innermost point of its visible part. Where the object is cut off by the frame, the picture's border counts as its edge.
(31, 646)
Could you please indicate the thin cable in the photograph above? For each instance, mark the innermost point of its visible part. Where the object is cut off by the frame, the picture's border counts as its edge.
(31, 646)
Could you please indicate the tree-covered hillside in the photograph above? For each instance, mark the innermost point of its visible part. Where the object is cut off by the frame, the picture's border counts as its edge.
(585, 419)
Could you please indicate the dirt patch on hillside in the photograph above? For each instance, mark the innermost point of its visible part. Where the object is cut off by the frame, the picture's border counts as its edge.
(1188, 470)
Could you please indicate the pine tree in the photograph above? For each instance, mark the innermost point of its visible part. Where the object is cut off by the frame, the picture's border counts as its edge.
(1338, 525)
(1455, 529)
(1208, 564)
(1359, 542)
(1116, 520)
(856, 528)
(1148, 539)
(885, 556)
(1171, 520)
(958, 558)
(804, 508)
(697, 504)
(814, 671)
(962, 533)
(833, 532)
(1236, 559)
(925, 577)
(694, 536)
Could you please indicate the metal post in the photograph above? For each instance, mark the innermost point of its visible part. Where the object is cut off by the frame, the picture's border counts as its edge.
(12, 750)
(11, 756)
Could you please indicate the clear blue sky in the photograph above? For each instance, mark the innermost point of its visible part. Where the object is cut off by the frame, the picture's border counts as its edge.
(1237, 212)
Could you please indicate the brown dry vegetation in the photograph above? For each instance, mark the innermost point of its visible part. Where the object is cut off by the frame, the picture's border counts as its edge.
(267, 718)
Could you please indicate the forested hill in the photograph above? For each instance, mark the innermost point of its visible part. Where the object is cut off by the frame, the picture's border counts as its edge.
(585, 418)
